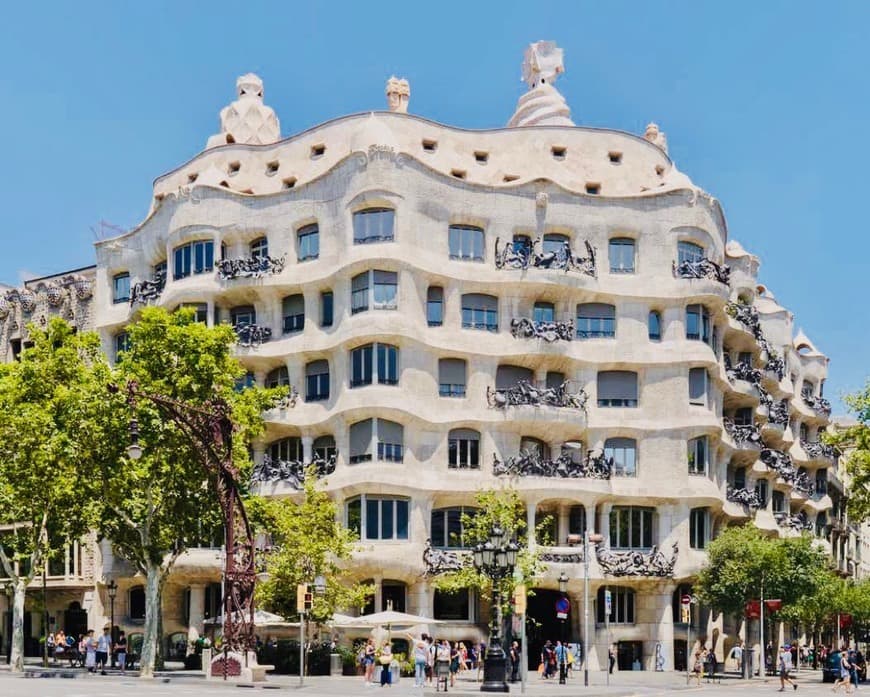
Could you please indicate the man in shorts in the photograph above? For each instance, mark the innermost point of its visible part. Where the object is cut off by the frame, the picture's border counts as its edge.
(785, 666)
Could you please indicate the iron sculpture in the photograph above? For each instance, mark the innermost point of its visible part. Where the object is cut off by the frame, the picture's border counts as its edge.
(292, 471)
(252, 335)
(744, 496)
(518, 255)
(530, 463)
(442, 561)
(524, 328)
(702, 268)
(249, 267)
(526, 393)
(145, 292)
(635, 563)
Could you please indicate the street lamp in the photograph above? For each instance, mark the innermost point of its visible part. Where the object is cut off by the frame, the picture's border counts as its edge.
(563, 665)
(594, 538)
(112, 590)
(496, 560)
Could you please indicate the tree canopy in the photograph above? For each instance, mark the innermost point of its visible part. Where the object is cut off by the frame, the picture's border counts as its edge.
(854, 442)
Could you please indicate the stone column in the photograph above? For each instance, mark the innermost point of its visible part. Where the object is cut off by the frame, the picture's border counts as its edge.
(590, 516)
(562, 525)
(379, 589)
(424, 599)
(196, 612)
(307, 448)
(662, 633)
(605, 523)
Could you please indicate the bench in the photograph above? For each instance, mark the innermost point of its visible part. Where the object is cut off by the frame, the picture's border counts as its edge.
(70, 654)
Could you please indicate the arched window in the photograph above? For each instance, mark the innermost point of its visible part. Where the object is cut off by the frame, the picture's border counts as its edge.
(308, 242)
(508, 376)
(317, 381)
(374, 363)
(631, 527)
(698, 325)
(391, 436)
(279, 377)
(698, 455)
(324, 447)
(378, 517)
(193, 258)
(373, 225)
(480, 311)
(689, 251)
(259, 248)
(136, 599)
(536, 446)
(466, 242)
(596, 321)
(451, 377)
(654, 324)
(287, 449)
(623, 452)
(621, 605)
(543, 312)
(361, 441)
(699, 528)
(293, 313)
(122, 343)
(435, 306)
(121, 288)
(621, 255)
(463, 449)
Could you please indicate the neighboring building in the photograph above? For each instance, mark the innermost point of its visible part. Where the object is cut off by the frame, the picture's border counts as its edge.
(545, 305)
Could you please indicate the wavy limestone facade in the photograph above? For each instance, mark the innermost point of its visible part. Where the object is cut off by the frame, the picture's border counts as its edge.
(551, 307)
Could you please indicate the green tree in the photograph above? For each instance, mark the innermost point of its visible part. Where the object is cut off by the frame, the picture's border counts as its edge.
(742, 561)
(52, 445)
(310, 541)
(502, 507)
(854, 442)
(156, 507)
(815, 610)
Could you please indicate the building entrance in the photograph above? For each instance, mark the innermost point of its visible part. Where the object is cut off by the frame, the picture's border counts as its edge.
(542, 624)
(75, 620)
(680, 655)
(629, 655)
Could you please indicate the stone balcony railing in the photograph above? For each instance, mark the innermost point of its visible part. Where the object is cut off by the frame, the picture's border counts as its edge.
(249, 267)
(291, 472)
(516, 256)
(820, 405)
(818, 450)
(524, 328)
(525, 393)
(145, 292)
(252, 335)
(744, 496)
(703, 268)
(636, 563)
(743, 434)
(532, 464)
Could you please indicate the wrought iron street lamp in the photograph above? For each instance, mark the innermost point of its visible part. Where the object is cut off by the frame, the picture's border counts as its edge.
(496, 559)
(563, 664)
(112, 591)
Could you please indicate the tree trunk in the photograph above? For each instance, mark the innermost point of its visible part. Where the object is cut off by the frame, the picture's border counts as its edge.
(152, 613)
(160, 657)
(16, 651)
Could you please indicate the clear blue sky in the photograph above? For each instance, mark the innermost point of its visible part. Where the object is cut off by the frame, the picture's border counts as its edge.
(765, 105)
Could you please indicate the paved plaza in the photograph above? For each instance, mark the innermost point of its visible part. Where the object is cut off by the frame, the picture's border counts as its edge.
(621, 685)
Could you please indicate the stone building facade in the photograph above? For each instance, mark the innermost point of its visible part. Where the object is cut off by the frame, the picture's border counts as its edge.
(546, 306)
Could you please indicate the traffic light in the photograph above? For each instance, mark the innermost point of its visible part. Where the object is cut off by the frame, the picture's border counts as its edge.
(304, 598)
(309, 599)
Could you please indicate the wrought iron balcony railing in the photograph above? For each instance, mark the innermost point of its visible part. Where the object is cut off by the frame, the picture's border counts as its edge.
(145, 292)
(533, 464)
(249, 267)
(803, 485)
(514, 255)
(524, 328)
(798, 521)
(747, 315)
(526, 393)
(742, 371)
(292, 471)
(636, 562)
(780, 462)
(252, 335)
(702, 268)
(744, 496)
(743, 434)
(444, 561)
(820, 405)
(818, 450)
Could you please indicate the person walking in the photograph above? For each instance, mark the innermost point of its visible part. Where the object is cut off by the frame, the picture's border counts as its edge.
(515, 661)
(104, 644)
(90, 650)
(697, 667)
(785, 667)
(845, 674)
(611, 658)
(121, 651)
(421, 657)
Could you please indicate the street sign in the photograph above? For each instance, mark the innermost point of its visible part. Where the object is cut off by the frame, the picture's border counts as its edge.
(563, 607)
(608, 603)
(685, 599)
(753, 609)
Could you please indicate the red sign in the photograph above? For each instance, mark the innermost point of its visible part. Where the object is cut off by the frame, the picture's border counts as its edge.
(563, 607)
(773, 605)
(845, 620)
(753, 609)
(686, 599)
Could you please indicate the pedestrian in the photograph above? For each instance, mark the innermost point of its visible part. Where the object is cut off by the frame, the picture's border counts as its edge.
(697, 667)
(611, 658)
(431, 651)
(90, 650)
(785, 667)
(454, 663)
(515, 661)
(421, 657)
(853, 670)
(104, 644)
(369, 662)
(845, 674)
(737, 653)
(386, 659)
(121, 651)
(561, 655)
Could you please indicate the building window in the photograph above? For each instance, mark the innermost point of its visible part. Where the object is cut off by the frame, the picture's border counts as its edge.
(698, 455)
(243, 316)
(745, 358)
(200, 311)
(534, 446)
(777, 501)
(452, 607)
(435, 306)
(698, 323)
(245, 382)
(740, 478)
(193, 258)
(259, 248)
(378, 517)
(466, 242)
(654, 325)
(699, 528)
(293, 311)
(744, 417)
(621, 606)
(543, 312)
(287, 449)
(451, 377)
(480, 312)
(324, 448)
(361, 441)
(158, 271)
(121, 288)
(821, 482)
(698, 386)
(445, 529)
(390, 437)
(308, 240)
(555, 243)
(326, 305)
(373, 225)
(577, 520)
(617, 388)
(631, 527)
(804, 432)
(807, 389)
(122, 343)
(136, 599)
(317, 381)
(280, 377)
(821, 524)
(463, 449)
(383, 285)
(761, 491)
(623, 452)
(621, 255)
(596, 321)
(365, 369)
(508, 376)
(689, 252)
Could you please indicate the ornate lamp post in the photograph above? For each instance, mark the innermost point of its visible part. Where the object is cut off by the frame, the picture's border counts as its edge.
(563, 665)
(112, 590)
(496, 559)
(210, 427)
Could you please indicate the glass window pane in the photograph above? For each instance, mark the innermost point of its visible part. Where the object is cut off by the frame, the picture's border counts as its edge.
(401, 519)
(437, 529)
(387, 520)
(372, 516)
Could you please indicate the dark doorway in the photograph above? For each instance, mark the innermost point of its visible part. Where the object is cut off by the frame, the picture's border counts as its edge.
(31, 644)
(629, 652)
(679, 655)
(75, 620)
(542, 624)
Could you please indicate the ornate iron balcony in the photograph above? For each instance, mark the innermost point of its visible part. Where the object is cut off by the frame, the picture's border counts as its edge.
(742, 371)
(820, 405)
(744, 496)
(817, 449)
(525, 393)
(748, 434)
(444, 561)
(532, 464)
(798, 521)
(147, 291)
(747, 316)
(803, 485)
(515, 256)
(703, 268)
(780, 462)
(635, 563)
(249, 267)
(777, 412)
(291, 471)
(554, 557)
(524, 328)
(252, 335)
(775, 363)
